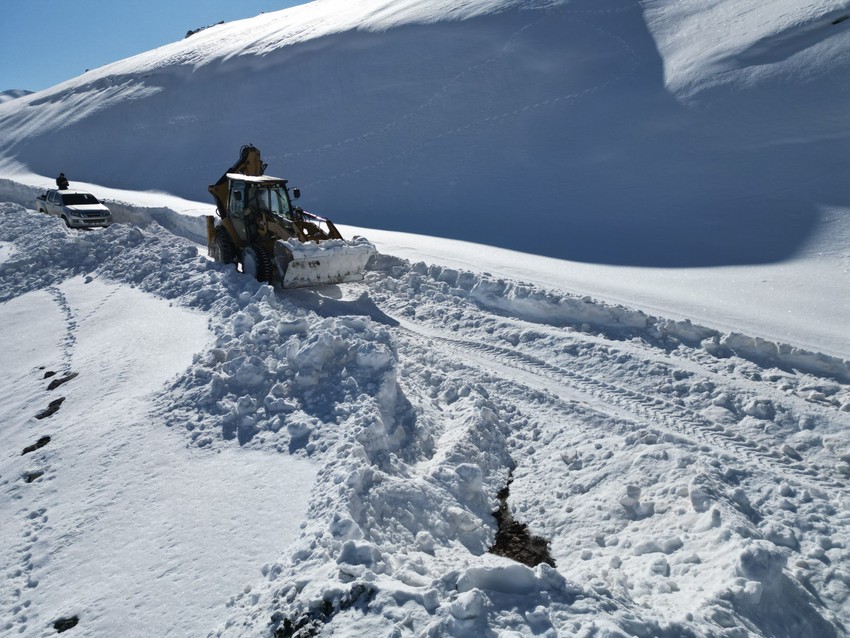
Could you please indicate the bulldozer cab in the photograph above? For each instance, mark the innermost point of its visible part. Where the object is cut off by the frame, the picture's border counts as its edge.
(251, 201)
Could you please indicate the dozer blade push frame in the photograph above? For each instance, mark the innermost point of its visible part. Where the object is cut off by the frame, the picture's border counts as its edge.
(333, 261)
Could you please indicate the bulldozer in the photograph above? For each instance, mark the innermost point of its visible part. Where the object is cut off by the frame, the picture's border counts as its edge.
(271, 239)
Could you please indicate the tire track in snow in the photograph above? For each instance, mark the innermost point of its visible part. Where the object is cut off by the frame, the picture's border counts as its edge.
(634, 405)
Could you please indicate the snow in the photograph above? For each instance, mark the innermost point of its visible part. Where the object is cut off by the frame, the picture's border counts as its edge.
(108, 471)
(12, 94)
(661, 395)
(602, 134)
(811, 310)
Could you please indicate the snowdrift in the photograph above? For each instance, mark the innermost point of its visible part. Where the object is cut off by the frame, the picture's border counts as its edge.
(617, 132)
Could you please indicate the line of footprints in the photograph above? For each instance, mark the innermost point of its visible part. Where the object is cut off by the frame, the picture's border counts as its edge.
(60, 624)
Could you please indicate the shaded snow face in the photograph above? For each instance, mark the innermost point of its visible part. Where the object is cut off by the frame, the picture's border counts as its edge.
(655, 134)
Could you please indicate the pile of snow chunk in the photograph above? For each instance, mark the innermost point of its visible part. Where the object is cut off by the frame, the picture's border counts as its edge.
(274, 373)
(48, 252)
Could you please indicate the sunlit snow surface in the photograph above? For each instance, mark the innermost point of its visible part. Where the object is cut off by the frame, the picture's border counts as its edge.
(123, 521)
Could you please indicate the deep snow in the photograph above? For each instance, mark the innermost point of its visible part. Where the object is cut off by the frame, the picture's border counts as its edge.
(226, 459)
(684, 487)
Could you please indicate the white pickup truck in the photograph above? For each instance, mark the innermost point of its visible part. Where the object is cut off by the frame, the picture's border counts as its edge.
(77, 209)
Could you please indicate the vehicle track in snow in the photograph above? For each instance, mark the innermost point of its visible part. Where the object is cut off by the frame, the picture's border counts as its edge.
(628, 403)
(743, 376)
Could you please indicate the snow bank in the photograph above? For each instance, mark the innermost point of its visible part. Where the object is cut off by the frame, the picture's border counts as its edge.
(537, 305)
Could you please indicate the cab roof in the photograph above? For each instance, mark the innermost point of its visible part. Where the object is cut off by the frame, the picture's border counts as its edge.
(256, 179)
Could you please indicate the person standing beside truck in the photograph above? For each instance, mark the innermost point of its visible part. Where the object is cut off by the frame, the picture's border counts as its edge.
(62, 182)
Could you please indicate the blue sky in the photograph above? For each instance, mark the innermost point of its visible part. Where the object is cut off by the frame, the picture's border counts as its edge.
(44, 42)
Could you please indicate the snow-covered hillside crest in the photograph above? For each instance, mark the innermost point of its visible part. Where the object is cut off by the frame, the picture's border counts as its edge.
(13, 94)
(683, 491)
(654, 133)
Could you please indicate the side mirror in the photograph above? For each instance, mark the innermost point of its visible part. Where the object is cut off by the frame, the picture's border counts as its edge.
(296, 193)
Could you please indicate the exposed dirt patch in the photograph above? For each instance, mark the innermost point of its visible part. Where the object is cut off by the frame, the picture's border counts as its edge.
(514, 541)
(64, 624)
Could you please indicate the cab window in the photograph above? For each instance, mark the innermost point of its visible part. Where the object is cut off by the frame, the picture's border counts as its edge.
(237, 198)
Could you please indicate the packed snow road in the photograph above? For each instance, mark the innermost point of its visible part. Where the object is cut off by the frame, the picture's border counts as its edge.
(688, 483)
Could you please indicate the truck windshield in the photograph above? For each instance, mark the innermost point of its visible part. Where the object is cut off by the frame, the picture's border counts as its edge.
(75, 199)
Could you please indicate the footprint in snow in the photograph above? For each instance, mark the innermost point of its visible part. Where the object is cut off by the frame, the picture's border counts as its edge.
(35, 446)
(64, 624)
(57, 382)
(51, 408)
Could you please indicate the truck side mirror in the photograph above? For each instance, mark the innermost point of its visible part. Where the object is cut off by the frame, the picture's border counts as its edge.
(296, 193)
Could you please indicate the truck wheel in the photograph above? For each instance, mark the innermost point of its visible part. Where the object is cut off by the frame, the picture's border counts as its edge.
(65, 219)
(223, 251)
(256, 262)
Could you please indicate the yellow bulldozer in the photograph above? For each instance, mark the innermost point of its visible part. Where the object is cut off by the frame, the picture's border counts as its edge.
(273, 240)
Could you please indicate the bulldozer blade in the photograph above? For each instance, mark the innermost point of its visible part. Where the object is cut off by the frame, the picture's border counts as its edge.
(332, 261)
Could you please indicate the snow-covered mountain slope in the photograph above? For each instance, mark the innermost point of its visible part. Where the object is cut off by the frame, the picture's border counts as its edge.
(657, 133)
(678, 483)
(13, 94)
